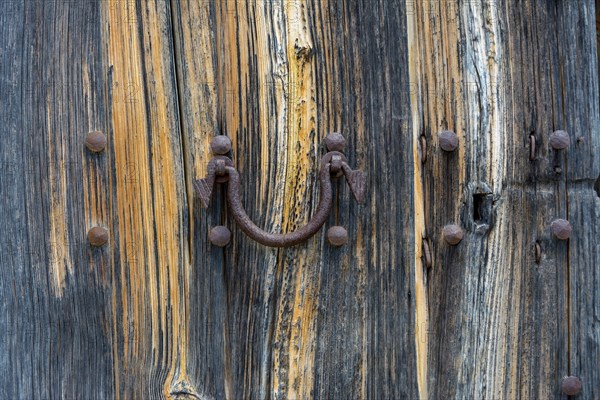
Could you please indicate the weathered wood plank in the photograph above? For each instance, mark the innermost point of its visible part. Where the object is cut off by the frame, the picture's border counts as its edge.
(276, 77)
(579, 66)
(497, 74)
(160, 313)
(148, 201)
(56, 290)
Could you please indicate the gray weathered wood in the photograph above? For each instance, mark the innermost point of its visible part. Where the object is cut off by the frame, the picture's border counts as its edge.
(497, 73)
(310, 321)
(160, 313)
(56, 315)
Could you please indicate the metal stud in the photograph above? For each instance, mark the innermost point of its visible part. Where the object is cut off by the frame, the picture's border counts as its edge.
(97, 236)
(337, 236)
(335, 142)
(95, 141)
(220, 145)
(219, 236)
(571, 385)
(561, 228)
(453, 234)
(448, 140)
(560, 140)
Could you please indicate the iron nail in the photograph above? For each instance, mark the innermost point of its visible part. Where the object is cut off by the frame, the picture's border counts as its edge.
(560, 140)
(336, 165)
(561, 228)
(453, 234)
(219, 236)
(220, 145)
(571, 385)
(335, 142)
(423, 149)
(220, 167)
(448, 140)
(97, 236)
(95, 141)
(337, 236)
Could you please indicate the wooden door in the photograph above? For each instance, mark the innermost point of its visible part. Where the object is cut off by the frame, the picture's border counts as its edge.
(397, 312)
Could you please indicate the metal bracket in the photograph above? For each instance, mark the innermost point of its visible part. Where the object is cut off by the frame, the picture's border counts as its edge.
(333, 164)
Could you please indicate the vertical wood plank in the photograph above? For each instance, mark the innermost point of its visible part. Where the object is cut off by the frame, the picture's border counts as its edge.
(488, 71)
(579, 88)
(56, 290)
(149, 203)
(277, 77)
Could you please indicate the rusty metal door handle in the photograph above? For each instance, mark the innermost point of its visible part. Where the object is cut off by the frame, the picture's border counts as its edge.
(221, 170)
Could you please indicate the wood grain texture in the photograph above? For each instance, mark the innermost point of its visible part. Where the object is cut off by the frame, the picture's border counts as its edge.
(86, 322)
(501, 325)
(56, 290)
(148, 201)
(310, 321)
(160, 313)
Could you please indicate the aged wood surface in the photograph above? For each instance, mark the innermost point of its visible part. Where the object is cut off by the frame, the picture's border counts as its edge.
(160, 313)
(56, 302)
(500, 324)
(310, 321)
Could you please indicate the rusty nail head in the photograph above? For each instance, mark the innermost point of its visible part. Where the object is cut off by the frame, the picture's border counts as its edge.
(219, 236)
(97, 236)
(561, 228)
(453, 234)
(335, 142)
(220, 145)
(95, 141)
(560, 140)
(337, 236)
(423, 149)
(427, 252)
(448, 140)
(571, 385)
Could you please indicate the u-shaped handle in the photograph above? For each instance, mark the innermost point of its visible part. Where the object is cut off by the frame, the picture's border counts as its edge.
(221, 170)
(280, 239)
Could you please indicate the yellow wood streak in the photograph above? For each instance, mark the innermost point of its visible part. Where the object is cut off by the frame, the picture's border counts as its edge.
(149, 192)
(453, 61)
(301, 140)
(421, 306)
(60, 262)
